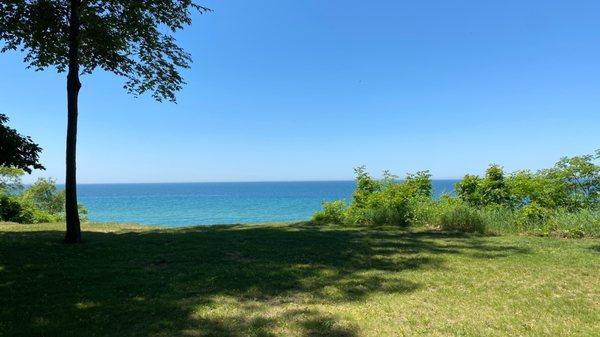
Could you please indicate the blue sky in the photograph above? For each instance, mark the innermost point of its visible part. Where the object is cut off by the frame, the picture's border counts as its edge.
(306, 90)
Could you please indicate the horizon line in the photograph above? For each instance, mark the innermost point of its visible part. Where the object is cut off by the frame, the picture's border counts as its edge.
(228, 182)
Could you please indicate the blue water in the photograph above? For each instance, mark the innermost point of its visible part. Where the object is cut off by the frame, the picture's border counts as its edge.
(186, 204)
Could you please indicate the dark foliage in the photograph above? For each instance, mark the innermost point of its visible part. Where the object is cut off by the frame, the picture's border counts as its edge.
(132, 39)
(17, 150)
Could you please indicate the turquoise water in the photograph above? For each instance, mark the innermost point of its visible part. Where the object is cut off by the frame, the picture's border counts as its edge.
(186, 204)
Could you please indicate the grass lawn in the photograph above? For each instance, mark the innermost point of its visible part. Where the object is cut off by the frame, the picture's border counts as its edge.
(294, 280)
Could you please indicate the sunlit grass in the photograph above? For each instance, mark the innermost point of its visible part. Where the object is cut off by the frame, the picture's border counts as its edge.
(294, 280)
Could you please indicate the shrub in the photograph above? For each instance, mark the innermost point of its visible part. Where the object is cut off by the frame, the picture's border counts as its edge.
(491, 190)
(11, 209)
(563, 200)
(424, 211)
(469, 190)
(419, 184)
(389, 207)
(18, 209)
(365, 186)
(392, 205)
(460, 217)
(379, 202)
(533, 215)
(41, 202)
(332, 212)
(83, 213)
(45, 196)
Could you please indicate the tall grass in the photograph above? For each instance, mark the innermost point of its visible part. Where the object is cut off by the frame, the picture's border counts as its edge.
(584, 223)
(500, 220)
(460, 218)
(451, 214)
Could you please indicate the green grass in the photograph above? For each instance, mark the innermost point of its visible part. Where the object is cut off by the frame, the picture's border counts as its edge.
(294, 280)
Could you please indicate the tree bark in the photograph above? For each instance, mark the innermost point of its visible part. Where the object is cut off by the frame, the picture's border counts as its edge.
(73, 234)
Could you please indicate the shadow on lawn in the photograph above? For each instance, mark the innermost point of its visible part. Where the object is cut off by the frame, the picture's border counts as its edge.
(216, 281)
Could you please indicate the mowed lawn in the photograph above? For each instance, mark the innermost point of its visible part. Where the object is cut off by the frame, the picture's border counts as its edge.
(294, 280)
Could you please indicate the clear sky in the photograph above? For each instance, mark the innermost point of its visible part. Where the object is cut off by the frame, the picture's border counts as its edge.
(306, 90)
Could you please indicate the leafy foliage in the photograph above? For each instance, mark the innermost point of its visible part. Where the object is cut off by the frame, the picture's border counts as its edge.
(419, 184)
(491, 190)
(10, 179)
(532, 214)
(469, 189)
(578, 178)
(333, 212)
(547, 202)
(387, 201)
(11, 209)
(45, 196)
(39, 203)
(572, 184)
(133, 39)
(17, 151)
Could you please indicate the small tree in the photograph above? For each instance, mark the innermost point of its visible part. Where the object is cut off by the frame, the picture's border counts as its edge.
(45, 196)
(133, 39)
(469, 190)
(493, 187)
(10, 179)
(580, 177)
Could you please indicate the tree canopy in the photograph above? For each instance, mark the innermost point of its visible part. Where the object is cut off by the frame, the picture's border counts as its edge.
(17, 151)
(133, 39)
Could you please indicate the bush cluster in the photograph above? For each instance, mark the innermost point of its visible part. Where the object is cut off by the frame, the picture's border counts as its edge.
(41, 202)
(563, 200)
(385, 201)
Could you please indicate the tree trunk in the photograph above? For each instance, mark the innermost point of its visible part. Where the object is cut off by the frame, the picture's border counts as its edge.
(73, 234)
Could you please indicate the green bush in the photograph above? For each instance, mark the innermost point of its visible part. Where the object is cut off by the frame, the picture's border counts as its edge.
(424, 211)
(389, 207)
(459, 217)
(563, 200)
(45, 196)
(83, 213)
(491, 190)
(533, 215)
(18, 209)
(392, 204)
(572, 184)
(41, 202)
(379, 202)
(12, 210)
(332, 212)
(419, 184)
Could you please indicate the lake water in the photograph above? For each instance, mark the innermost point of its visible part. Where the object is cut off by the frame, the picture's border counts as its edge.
(185, 204)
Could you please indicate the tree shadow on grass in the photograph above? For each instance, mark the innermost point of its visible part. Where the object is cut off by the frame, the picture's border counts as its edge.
(211, 281)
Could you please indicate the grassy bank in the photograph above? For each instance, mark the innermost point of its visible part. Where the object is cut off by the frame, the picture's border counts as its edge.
(294, 280)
